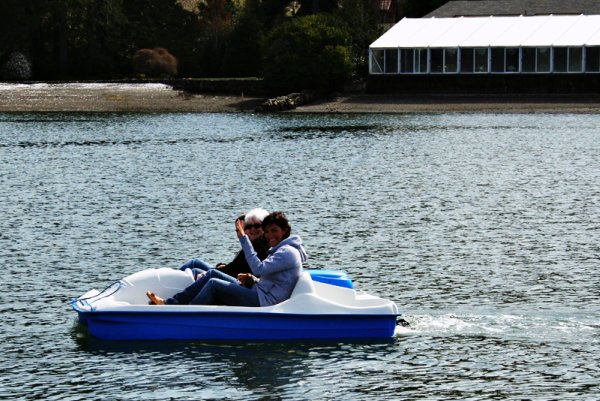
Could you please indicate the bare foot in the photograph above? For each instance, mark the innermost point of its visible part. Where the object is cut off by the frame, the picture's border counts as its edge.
(155, 299)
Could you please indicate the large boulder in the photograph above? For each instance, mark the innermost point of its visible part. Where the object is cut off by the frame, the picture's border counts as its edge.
(287, 102)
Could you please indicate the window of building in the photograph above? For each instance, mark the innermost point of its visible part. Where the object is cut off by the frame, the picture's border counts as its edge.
(391, 61)
(437, 60)
(377, 61)
(413, 61)
(592, 59)
(575, 59)
(561, 59)
(512, 60)
(474, 60)
(467, 60)
(407, 59)
(421, 60)
(481, 59)
(497, 62)
(568, 59)
(504, 59)
(451, 60)
(528, 59)
(542, 59)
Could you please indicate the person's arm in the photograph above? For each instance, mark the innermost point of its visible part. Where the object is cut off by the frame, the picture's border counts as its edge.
(237, 265)
(282, 259)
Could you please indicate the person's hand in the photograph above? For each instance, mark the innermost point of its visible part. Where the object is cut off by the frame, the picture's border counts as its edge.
(220, 265)
(199, 276)
(245, 279)
(239, 228)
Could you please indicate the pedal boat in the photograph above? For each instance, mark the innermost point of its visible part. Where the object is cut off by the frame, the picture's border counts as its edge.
(323, 305)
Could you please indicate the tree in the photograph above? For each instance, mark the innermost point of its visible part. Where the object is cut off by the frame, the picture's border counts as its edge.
(165, 24)
(243, 56)
(15, 30)
(309, 7)
(217, 16)
(311, 52)
(362, 16)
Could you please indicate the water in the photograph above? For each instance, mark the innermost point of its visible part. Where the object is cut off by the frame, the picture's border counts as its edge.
(482, 228)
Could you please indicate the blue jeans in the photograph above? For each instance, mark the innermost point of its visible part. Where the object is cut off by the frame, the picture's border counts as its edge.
(197, 266)
(216, 287)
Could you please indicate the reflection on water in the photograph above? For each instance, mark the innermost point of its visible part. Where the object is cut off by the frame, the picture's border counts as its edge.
(482, 228)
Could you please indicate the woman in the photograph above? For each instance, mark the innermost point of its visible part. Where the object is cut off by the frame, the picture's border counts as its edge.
(253, 227)
(278, 273)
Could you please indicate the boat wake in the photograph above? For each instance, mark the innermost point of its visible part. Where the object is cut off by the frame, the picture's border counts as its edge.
(535, 327)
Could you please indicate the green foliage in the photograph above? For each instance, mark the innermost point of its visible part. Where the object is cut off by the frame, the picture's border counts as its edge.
(243, 55)
(96, 39)
(164, 23)
(309, 7)
(311, 52)
(92, 39)
(17, 68)
(363, 18)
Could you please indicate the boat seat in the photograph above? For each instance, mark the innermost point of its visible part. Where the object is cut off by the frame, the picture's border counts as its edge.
(304, 285)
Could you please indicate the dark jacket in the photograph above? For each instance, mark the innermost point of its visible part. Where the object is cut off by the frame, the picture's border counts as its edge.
(240, 265)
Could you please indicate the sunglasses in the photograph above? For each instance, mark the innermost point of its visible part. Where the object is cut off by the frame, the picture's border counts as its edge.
(249, 226)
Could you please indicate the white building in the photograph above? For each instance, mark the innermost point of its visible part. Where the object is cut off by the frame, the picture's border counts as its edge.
(548, 44)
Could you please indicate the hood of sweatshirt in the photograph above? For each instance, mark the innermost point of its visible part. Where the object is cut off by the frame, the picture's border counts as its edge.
(294, 241)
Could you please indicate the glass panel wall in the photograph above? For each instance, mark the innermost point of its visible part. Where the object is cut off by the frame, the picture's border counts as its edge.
(592, 59)
(561, 59)
(377, 58)
(467, 60)
(497, 64)
(413, 61)
(512, 60)
(407, 60)
(542, 59)
(528, 63)
(575, 59)
(481, 59)
(437, 60)
(391, 61)
(421, 61)
(485, 60)
(451, 60)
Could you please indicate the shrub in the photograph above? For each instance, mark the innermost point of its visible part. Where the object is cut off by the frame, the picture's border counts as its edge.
(16, 68)
(311, 52)
(156, 63)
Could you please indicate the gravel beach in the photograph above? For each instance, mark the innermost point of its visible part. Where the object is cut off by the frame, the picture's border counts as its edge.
(161, 98)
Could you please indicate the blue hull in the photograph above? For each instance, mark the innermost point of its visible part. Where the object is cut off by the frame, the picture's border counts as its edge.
(235, 326)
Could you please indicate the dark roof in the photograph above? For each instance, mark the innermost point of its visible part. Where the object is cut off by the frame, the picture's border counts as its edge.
(516, 7)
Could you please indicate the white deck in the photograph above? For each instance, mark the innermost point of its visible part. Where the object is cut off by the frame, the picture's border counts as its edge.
(308, 297)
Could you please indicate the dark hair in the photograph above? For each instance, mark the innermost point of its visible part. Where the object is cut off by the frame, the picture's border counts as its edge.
(279, 219)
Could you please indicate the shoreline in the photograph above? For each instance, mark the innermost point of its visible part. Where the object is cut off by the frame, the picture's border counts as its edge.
(161, 98)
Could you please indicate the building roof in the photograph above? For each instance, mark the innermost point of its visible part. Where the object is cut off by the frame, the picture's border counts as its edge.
(538, 31)
(516, 7)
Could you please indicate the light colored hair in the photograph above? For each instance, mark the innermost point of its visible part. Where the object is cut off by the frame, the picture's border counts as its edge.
(256, 214)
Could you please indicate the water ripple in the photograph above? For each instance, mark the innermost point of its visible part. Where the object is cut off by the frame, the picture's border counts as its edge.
(482, 228)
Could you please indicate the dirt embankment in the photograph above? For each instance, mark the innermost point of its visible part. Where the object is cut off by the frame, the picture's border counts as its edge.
(160, 98)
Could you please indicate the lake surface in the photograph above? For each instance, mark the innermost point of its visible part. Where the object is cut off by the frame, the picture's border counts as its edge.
(484, 229)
